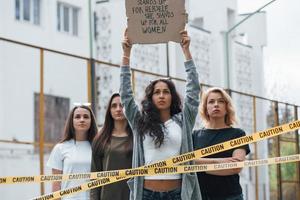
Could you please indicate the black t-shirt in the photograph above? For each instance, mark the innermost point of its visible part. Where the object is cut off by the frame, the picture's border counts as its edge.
(212, 185)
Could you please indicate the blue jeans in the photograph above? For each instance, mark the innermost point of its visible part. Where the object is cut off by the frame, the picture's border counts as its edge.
(170, 195)
(235, 197)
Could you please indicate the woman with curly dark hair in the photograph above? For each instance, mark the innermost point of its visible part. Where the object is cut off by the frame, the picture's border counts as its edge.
(162, 129)
(112, 150)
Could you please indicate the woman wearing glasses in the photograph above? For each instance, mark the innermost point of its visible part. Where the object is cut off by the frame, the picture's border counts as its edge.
(162, 129)
(218, 114)
(112, 150)
(73, 154)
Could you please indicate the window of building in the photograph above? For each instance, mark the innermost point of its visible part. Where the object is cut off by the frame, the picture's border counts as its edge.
(198, 22)
(67, 18)
(28, 10)
(56, 110)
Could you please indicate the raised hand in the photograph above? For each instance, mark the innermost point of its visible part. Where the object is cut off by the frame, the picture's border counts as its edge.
(126, 44)
(185, 44)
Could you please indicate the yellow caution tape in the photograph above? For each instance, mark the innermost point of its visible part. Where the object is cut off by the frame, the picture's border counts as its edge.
(248, 139)
(117, 175)
(168, 170)
(275, 131)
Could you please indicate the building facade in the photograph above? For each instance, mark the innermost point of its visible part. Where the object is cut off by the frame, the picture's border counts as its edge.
(56, 53)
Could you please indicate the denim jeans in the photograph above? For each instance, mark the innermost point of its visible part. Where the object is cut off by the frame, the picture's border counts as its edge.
(235, 197)
(170, 195)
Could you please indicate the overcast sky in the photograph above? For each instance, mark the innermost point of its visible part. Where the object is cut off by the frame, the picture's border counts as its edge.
(282, 54)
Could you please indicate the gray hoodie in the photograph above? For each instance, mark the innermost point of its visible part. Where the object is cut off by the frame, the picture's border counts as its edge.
(186, 119)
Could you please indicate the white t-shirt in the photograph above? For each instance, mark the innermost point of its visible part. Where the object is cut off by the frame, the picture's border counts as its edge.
(169, 148)
(72, 157)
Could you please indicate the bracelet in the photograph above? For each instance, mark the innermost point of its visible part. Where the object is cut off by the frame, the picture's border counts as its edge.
(126, 57)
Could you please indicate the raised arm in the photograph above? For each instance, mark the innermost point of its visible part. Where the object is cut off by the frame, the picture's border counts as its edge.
(126, 46)
(185, 45)
(126, 93)
(191, 101)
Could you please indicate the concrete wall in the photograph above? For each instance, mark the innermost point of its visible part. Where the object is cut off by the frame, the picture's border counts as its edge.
(255, 34)
(216, 20)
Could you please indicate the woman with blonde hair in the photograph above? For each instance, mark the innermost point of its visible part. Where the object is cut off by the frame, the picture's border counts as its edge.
(218, 115)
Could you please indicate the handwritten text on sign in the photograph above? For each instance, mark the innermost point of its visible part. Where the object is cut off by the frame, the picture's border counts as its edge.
(155, 21)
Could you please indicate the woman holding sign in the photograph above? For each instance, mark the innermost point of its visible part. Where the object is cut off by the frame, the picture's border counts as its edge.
(162, 129)
(218, 114)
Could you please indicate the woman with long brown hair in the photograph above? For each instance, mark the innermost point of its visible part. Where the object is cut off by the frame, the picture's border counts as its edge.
(112, 150)
(73, 154)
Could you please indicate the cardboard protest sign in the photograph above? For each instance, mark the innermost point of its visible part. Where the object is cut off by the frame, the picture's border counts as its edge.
(155, 21)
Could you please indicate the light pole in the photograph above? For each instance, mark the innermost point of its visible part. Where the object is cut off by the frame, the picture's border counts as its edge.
(227, 49)
(228, 70)
(91, 61)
